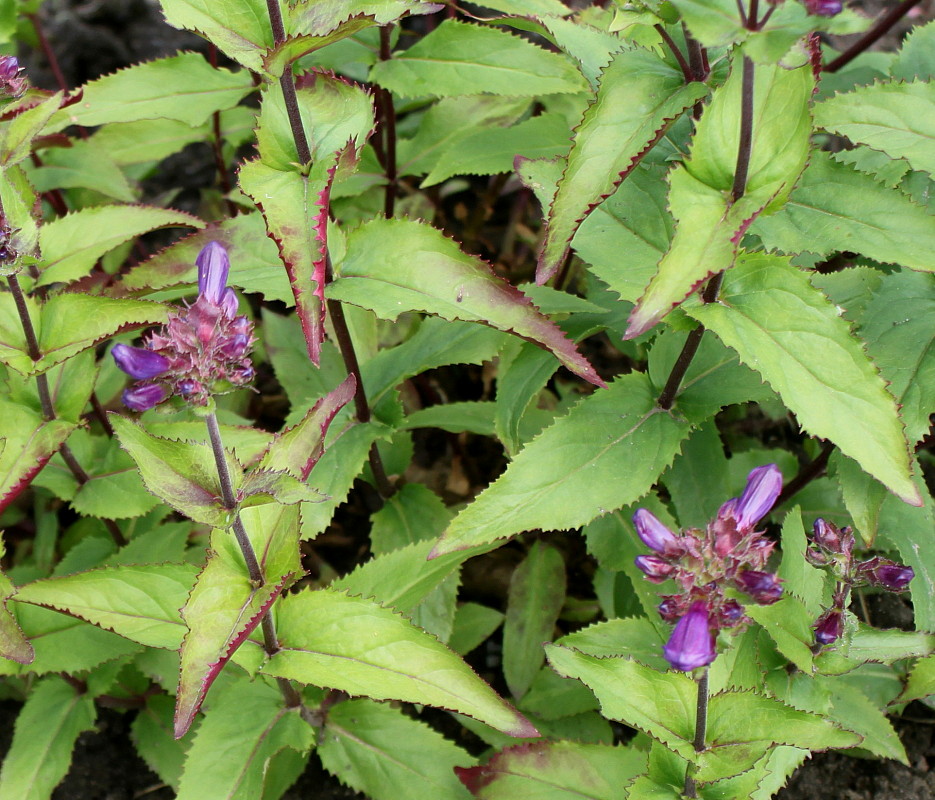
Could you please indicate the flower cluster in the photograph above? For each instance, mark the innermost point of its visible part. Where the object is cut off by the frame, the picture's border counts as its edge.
(833, 549)
(703, 563)
(12, 81)
(203, 349)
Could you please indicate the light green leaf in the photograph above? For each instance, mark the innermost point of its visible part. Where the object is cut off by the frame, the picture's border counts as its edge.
(151, 730)
(874, 645)
(473, 624)
(24, 128)
(800, 579)
(18, 198)
(897, 118)
(379, 750)
(553, 482)
(141, 603)
(916, 58)
(851, 708)
(634, 637)
(72, 244)
(639, 95)
(83, 165)
(414, 514)
(146, 141)
(45, 734)
(459, 58)
(183, 87)
(357, 646)
(836, 208)
(396, 265)
(536, 596)
(789, 625)
(921, 683)
(818, 369)
(13, 644)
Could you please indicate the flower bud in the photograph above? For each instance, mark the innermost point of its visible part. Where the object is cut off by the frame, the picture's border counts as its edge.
(138, 362)
(886, 574)
(763, 487)
(691, 644)
(670, 608)
(213, 267)
(829, 626)
(12, 81)
(654, 534)
(730, 613)
(144, 397)
(763, 587)
(824, 8)
(657, 569)
(826, 536)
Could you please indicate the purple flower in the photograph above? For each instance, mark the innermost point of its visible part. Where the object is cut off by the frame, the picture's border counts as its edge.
(657, 569)
(144, 396)
(12, 81)
(763, 587)
(885, 573)
(829, 626)
(826, 536)
(824, 8)
(691, 644)
(654, 534)
(763, 487)
(138, 362)
(213, 267)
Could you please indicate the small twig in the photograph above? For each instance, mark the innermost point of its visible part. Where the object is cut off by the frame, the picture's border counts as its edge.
(807, 473)
(887, 21)
(388, 128)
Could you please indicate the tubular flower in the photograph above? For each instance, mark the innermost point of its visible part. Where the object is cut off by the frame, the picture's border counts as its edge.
(691, 644)
(654, 534)
(203, 350)
(12, 80)
(829, 626)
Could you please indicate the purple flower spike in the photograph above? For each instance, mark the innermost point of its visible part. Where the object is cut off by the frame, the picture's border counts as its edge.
(656, 569)
(763, 587)
(654, 534)
(138, 362)
(763, 487)
(213, 266)
(829, 627)
(691, 644)
(143, 398)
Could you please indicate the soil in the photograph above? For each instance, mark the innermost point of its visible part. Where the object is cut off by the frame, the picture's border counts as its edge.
(95, 37)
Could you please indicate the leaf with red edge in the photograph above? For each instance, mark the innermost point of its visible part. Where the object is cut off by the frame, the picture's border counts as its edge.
(562, 770)
(13, 643)
(396, 265)
(278, 59)
(297, 449)
(225, 607)
(638, 97)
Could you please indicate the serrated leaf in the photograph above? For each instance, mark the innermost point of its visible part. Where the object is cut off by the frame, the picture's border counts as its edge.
(590, 46)
(279, 58)
(915, 58)
(634, 637)
(836, 208)
(65, 325)
(555, 771)
(45, 734)
(72, 244)
(536, 596)
(82, 165)
(379, 750)
(473, 624)
(151, 731)
(897, 118)
(852, 709)
(818, 369)
(875, 645)
(18, 198)
(394, 265)
(801, 579)
(183, 474)
(638, 96)
(145, 141)
(789, 625)
(225, 606)
(357, 646)
(710, 224)
(617, 431)
(24, 128)
(414, 514)
(921, 683)
(13, 644)
(552, 697)
(248, 724)
(459, 58)
(183, 87)
(141, 603)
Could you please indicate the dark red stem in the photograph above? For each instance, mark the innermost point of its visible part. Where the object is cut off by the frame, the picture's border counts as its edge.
(887, 21)
(388, 128)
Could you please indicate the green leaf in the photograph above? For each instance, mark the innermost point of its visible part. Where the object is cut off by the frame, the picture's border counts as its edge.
(151, 730)
(141, 603)
(43, 739)
(789, 625)
(459, 58)
(414, 514)
(278, 59)
(897, 118)
(82, 165)
(698, 479)
(715, 23)
(851, 708)
(146, 141)
(893, 326)
(836, 208)
(240, 28)
(634, 637)
(71, 245)
(24, 128)
(536, 596)
(553, 482)
(225, 606)
(357, 646)
(18, 198)
(66, 324)
(711, 225)
(639, 95)
(13, 644)
(183, 474)
(183, 87)
(472, 625)
(874, 645)
(248, 724)
(921, 683)
(551, 697)
(915, 59)
(394, 265)
(661, 704)
(555, 771)
(377, 749)
(817, 368)
(592, 47)
(800, 579)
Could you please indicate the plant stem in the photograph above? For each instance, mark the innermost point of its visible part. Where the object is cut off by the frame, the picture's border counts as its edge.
(45, 399)
(388, 128)
(217, 145)
(807, 474)
(887, 21)
(674, 48)
(701, 725)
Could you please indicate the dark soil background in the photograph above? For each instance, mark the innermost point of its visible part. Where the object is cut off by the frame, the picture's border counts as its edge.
(95, 37)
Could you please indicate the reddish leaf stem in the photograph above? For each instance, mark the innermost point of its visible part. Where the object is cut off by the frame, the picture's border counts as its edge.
(887, 21)
(388, 128)
(674, 48)
(807, 473)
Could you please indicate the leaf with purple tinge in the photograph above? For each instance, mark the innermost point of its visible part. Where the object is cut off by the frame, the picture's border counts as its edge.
(638, 97)
(397, 265)
(224, 608)
(13, 643)
(562, 770)
(297, 449)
